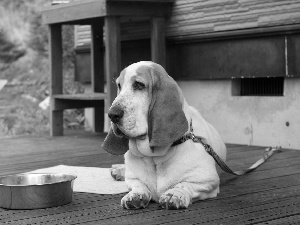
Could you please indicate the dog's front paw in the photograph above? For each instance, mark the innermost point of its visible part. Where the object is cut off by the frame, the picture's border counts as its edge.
(135, 200)
(174, 199)
(117, 171)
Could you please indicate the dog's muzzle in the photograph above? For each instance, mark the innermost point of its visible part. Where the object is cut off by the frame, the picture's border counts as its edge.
(116, 113)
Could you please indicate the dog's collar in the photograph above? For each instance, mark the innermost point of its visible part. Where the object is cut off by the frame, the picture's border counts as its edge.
(188, 136)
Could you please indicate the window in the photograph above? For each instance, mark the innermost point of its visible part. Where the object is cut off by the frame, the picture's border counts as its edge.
(263, 86)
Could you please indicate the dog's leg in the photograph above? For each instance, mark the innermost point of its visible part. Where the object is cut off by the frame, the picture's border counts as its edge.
(139, 172)
(139, 195)
(117, 171)
(182, 195)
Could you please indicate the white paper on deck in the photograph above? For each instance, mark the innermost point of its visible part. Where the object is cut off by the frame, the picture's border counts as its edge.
(89, 179)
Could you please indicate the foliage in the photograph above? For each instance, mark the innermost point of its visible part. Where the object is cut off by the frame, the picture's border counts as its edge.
(9, 52)
(25, 118)
(24, 63)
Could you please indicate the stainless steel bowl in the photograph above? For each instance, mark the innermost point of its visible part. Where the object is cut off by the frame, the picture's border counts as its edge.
(36, 190)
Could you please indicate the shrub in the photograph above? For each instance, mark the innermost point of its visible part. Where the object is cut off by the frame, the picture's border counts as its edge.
(24, 62)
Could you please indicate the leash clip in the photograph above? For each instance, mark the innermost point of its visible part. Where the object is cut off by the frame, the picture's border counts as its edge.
(193, 136)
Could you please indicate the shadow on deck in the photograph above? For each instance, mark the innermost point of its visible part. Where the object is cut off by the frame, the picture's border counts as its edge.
(269, 195)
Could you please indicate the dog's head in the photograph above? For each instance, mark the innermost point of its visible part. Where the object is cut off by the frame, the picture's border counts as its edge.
(148, 104)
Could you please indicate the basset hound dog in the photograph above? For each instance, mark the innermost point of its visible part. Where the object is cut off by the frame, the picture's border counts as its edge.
(148, 115)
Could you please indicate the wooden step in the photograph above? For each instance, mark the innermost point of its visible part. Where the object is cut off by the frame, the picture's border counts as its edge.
(72, 101)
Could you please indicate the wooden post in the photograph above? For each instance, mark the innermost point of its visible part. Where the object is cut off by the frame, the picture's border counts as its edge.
(97, 64)
(158, 45)
(56, 80)
(112, 55)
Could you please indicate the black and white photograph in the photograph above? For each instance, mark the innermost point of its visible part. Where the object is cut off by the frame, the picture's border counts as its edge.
(159, 112)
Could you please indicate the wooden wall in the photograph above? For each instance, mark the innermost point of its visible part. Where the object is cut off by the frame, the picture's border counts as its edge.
(219, 39)
(261, 56)
(194, 19)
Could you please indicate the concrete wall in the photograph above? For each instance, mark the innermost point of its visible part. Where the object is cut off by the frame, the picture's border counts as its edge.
(263, 121)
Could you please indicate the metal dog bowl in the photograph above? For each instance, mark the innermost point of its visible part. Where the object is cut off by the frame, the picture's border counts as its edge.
(36, 190)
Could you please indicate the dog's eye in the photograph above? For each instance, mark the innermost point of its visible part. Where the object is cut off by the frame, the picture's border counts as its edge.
(119, 86)
(138, 85)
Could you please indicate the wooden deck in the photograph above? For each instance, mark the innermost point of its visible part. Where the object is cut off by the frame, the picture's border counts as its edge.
(269, 195)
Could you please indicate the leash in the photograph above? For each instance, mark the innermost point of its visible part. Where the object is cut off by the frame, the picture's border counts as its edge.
(191, 136)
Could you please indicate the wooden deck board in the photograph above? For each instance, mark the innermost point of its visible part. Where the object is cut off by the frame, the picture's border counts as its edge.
(23, 154)
(269, 195)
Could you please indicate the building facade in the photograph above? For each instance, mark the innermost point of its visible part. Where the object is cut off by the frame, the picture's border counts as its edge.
(237, 62)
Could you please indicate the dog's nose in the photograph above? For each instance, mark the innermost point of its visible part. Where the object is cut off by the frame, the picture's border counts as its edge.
(115, 114)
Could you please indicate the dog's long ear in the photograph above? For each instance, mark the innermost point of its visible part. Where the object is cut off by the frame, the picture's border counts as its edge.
(166, 119)
(115, 144)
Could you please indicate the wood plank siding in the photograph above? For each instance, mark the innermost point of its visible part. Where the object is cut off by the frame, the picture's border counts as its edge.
(211, 39)
(197, 18)
(193, 18)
